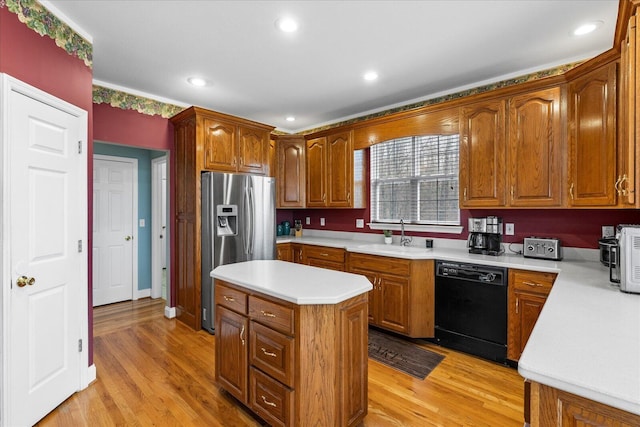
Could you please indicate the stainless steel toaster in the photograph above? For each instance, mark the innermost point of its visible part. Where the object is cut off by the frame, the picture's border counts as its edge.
(542, 247)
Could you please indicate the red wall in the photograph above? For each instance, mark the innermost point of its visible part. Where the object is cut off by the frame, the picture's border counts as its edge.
(37, 60)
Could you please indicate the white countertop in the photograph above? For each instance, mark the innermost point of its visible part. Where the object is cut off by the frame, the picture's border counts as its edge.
(296, 283)
(587, 339)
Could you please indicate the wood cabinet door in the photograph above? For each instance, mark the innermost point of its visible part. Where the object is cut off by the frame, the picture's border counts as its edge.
(535, 151)
(372, 312)
(219, 146)
(524, 310)
(340, 170)
(317, 172)
(592, 138)
(283, 251)
(291, 172)
(482, 155)
(628, 118)
(253, 146)
(232, 337)
(297, 253)
(354, 360)
(394, 303)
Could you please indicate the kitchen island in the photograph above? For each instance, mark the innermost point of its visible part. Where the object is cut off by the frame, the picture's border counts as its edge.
(291, 341)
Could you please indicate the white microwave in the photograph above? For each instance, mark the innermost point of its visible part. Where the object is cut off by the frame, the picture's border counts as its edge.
(629, 258)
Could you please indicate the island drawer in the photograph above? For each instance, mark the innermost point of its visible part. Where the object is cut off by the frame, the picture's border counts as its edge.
(270, 399)
(231, 298)
(274, 315)
(532, 281)
(272, 352)
(325, 253)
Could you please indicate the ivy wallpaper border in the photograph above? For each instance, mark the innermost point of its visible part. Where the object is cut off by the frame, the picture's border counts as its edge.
(36, 17)
(127, 101)
(556, 71)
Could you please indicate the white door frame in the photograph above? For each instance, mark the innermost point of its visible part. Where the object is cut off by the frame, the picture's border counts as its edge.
(156, 215)
(134, 217)
(87, 373)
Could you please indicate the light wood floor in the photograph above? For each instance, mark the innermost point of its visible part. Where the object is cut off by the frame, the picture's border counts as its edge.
(156, 371)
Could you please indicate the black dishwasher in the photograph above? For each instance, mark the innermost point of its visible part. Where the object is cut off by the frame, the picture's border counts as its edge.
(471, 309)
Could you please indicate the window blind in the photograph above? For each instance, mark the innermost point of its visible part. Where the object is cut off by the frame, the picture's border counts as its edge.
(415, 178)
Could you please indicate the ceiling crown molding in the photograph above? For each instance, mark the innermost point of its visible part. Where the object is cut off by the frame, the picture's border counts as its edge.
(36, 17)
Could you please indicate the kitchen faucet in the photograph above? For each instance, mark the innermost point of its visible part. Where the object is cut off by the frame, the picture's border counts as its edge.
(404, 241)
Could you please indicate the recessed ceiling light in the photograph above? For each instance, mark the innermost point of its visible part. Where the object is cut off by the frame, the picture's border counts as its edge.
(197, 81)
(370, 76)
(587, 28)
(287, 25)
(290, 119)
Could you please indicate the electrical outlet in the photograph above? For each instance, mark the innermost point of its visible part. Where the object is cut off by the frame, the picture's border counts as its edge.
(509, 229)
(321, 222)
(308, 220)
(608, 231)
(141, 222)
(360, 223)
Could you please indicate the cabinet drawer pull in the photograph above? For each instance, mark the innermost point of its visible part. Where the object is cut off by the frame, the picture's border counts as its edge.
(616, 185)
(571, 191)
(242, 335)
(537, 285)
(517, 304)
(267, 353)
(465, 194)
(267, 314)
(324, 254)
(228, 298)
(266, 402)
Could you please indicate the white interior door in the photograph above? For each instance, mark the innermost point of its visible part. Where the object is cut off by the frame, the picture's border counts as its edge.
(45, 234)
(160, 232)
(114, 229)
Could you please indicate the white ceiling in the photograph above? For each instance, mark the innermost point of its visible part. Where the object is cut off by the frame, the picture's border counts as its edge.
(420, 49)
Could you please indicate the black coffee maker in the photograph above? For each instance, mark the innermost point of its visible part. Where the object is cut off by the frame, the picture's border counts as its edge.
(485, 236)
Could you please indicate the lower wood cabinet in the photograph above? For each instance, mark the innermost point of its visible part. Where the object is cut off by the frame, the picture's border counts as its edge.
(552, 407)
(528, 291)
(292, 365)
(402, 299)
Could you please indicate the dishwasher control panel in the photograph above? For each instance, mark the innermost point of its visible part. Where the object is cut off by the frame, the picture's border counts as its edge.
(542, 247)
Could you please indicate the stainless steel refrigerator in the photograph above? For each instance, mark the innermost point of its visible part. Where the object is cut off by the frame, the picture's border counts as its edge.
(238, 224)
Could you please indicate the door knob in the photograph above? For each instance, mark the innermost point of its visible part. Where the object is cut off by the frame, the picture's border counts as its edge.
(24, 281)
(127, 238)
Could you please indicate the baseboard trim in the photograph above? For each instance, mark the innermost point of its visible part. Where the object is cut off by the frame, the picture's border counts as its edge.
(169, 312)
(143, 293)
(91, 373)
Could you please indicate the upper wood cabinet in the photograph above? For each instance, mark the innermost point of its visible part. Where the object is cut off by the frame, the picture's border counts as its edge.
(334, 172)
(230, 147)
(291, 171)
(592, 138)
(628, 179)
(510, 151)
(535, 149)
(482, 154)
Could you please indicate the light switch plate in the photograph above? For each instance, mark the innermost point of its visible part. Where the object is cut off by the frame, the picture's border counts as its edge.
(509, 229)
(608, 231)
(141, 222)
(308, 220)
(359, 223)
(321, 222)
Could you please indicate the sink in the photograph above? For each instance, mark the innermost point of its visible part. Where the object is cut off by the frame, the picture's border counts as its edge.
(392, 250)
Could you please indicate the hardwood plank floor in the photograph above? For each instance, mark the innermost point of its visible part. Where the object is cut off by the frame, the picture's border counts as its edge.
(156, 371)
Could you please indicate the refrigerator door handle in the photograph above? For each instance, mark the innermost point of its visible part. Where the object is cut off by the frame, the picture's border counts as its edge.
(252, 217)
(246, 230)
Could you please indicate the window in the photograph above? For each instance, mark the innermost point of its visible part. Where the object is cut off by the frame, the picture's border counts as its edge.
(415, 178)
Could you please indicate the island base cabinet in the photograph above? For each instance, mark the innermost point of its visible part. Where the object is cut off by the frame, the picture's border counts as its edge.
(552, 407)
(293, 365)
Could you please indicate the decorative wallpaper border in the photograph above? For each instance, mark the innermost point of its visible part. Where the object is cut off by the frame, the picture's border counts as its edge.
(36, 17)
(126, 101)
(486, 88)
